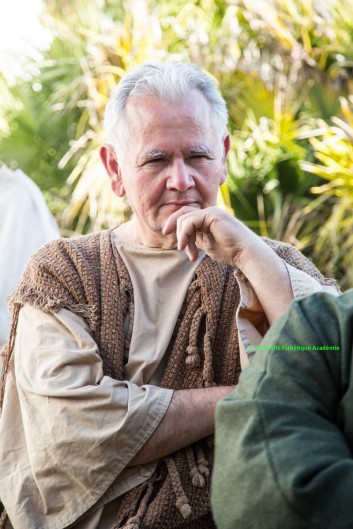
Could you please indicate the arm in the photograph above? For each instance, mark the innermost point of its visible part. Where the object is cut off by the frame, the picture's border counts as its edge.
(67, 432)
(227, 240)
(286, 431)
(190, 417)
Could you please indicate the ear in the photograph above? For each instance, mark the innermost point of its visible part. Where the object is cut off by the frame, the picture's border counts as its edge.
(110, 162)
(226, 147)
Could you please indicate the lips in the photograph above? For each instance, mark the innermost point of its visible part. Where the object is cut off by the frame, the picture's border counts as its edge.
(180, 204)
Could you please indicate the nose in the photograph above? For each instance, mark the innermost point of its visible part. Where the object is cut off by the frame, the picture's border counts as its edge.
(179, 176)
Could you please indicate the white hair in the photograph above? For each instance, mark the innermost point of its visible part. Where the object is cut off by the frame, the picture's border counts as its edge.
(170, 81)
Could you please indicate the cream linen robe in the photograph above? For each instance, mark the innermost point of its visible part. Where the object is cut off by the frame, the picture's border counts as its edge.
(59, 374)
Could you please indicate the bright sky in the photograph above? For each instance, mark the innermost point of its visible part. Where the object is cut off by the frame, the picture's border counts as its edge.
(20, 33)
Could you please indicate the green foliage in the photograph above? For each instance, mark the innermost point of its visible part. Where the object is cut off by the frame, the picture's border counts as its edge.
(296, 63)
(282, 66)
(332, 244)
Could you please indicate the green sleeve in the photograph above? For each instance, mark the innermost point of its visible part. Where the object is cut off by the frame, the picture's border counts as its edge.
(284, 437)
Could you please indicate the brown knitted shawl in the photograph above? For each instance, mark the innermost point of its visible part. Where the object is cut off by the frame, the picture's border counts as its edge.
(87, 276)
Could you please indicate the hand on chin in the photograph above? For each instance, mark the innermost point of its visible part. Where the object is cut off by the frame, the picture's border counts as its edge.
(170, 224)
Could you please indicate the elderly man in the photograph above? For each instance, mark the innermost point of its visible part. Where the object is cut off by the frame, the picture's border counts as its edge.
(126, 339)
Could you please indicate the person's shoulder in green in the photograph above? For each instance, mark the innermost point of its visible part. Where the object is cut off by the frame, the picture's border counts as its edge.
(284, 437)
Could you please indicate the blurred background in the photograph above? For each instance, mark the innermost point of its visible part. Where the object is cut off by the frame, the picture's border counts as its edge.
(285, 68)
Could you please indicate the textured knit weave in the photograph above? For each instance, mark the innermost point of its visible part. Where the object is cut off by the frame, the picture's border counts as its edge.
(87, 276)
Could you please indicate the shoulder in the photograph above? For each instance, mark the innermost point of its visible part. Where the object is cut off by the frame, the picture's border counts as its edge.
(72, 249)
(65, 264)
(67, 273)
(295, 258)
(16, 184)
(285, 250)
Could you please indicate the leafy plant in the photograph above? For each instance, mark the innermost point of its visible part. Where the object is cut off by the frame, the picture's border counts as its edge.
(281, 65)
(333, 241)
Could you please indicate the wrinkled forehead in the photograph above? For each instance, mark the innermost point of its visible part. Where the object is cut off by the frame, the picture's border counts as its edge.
(151, 110)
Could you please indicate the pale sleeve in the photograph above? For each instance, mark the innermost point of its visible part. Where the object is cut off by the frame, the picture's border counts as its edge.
(25, 224)
(251, 319)
(81, 428)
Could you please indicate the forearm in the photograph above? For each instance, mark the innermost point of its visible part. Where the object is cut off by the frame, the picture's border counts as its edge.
(268, 276)
(190, 417)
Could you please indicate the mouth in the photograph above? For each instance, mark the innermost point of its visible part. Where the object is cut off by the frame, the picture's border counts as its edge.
(182, 203)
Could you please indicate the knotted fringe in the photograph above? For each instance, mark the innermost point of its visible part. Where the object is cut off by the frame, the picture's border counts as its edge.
(51, 303)
(137, 509)
(181, 499)
(193, 358)
(135, 521)
(207, 373)
(192, 354)
(197, 479)
(202, 462)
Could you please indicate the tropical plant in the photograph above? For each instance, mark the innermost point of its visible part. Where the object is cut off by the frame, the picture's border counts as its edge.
(332, 243)
(281, 66)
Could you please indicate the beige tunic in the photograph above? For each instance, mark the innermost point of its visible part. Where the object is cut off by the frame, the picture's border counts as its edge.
(59, 374)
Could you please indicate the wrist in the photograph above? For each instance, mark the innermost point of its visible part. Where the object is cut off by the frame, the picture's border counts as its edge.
(246, 255)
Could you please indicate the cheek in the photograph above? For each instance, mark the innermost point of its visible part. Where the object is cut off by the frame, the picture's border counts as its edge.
(146, 196)
(208, 187)
(152, 188)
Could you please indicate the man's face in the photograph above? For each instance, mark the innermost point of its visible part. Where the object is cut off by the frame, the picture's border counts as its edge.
(172, 159)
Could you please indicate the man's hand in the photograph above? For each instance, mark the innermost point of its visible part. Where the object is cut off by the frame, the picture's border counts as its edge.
(223, 237)
(227, 240)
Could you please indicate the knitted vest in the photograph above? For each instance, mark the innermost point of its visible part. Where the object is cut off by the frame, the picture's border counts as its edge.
(88, 277)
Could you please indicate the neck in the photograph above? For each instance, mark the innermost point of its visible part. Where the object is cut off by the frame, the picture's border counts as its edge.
(130, 232)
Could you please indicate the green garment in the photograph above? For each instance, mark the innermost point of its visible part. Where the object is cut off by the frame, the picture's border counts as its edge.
(284, 437)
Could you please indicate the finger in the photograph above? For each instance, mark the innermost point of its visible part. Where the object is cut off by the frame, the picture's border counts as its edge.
(171, 223)
(184, 238)
(187, 242)
(205, 241)
(192, 251)
(187, 228)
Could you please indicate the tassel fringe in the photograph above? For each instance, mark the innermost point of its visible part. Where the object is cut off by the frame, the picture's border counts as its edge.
(181, 500)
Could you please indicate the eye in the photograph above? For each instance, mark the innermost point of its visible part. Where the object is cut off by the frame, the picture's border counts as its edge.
(154, 161)
(199, 157)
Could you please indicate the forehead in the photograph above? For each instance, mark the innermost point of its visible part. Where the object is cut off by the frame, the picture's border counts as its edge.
(150, 114)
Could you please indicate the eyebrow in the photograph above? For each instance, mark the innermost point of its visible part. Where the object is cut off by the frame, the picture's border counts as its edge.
(151, 155)
(199, 149)
(158, 153)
